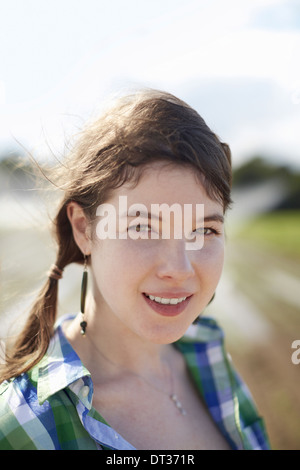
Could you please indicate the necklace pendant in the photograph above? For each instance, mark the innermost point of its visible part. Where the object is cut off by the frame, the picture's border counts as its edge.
(178, 404)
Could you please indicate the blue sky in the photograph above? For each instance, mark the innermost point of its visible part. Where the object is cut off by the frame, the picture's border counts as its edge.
(237, 62)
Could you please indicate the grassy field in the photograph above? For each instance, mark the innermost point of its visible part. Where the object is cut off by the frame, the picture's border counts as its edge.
(258, 304)
(279, 231)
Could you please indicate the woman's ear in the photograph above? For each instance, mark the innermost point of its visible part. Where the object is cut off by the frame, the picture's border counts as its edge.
(80, 226)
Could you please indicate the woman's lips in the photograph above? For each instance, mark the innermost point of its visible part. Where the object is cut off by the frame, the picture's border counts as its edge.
(168, 310)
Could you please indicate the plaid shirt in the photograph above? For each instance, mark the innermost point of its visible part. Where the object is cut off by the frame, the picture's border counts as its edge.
(50, 407)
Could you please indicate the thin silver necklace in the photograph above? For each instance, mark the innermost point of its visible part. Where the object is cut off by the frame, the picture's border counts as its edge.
(172, 396)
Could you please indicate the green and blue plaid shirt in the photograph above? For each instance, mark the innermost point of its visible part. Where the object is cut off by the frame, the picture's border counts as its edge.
(50, 407)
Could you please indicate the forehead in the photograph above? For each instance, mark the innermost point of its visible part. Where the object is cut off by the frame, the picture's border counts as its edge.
(162, 182)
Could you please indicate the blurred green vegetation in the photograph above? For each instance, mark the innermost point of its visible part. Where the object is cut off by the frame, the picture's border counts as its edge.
(17, 172)
(19, 169)
(258, 170)
(14, 162)
(278, 230)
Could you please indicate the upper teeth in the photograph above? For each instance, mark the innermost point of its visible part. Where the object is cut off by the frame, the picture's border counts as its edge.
(162, 300)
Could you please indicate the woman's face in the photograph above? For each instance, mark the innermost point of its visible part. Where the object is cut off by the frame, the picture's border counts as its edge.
(145, 280)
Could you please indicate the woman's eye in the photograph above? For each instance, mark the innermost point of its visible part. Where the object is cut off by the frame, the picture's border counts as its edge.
(205, 231)
(140, 228)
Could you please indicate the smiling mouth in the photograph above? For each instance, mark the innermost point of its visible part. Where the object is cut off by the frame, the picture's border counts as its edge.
(165, 301)
(167, 306)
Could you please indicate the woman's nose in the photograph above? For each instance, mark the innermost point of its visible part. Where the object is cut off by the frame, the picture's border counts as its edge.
(175, 261)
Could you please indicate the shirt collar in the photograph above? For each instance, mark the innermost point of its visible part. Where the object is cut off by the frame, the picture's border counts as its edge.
(59, 368)
(205, 330)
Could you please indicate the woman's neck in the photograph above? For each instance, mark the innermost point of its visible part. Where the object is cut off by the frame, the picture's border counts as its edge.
(109, 347)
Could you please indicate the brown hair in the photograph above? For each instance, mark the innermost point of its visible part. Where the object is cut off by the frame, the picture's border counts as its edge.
(138, 130)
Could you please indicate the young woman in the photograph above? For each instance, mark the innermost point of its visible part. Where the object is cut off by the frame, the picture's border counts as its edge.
(145, 193)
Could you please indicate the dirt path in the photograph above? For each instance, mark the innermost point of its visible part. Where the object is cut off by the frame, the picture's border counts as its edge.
(261, 315)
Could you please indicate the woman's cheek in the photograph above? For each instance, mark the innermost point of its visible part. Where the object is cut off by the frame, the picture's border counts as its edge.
(210, 258)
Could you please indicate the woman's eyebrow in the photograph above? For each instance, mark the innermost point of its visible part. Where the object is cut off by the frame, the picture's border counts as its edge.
(146, 215)
(209, 218)
(214, 218)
